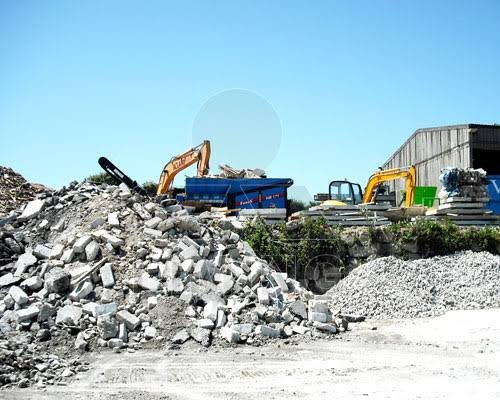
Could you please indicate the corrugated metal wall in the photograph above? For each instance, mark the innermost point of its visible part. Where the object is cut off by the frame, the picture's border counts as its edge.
(431, 150)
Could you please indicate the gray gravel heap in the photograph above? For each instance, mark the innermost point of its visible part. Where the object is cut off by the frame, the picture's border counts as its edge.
(392, 288)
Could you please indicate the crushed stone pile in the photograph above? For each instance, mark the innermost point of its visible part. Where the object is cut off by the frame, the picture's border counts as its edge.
(391, 288)
(15, 190)
(99, 267)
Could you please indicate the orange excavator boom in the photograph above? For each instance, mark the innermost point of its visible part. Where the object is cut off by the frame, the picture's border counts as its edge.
(379, 177)
(199, 154)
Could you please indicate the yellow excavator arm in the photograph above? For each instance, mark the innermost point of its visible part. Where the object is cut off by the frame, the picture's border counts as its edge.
(199, 154)
(379, 177)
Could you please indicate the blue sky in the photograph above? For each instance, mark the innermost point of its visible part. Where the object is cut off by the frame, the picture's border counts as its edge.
(324, 89)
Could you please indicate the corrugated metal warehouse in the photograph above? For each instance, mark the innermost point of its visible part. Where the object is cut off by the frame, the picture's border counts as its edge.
(432, 149)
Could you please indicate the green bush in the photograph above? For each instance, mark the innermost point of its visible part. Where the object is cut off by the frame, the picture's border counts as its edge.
(444, 237)
(102, 177)
(150, 187)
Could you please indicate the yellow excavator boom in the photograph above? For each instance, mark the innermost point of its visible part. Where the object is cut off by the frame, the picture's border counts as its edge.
(379, 177)
(199, 154)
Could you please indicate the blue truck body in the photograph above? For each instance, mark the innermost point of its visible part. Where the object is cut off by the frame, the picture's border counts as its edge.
(238, 193)
(494, 191)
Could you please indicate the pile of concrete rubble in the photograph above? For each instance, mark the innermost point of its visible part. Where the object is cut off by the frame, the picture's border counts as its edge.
(15, 190)
(392, 288)
(92, 266)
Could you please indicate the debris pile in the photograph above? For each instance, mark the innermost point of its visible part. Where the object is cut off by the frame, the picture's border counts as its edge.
(391, 288)
(98, 266)
(226, 171)
(14, 190)
(346, 215)
(463, 198)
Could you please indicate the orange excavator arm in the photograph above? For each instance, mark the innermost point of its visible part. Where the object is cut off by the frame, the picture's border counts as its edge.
(199, 154)
(391, 174)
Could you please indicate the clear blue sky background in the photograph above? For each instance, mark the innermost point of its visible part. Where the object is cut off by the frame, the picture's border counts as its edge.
(348, 80)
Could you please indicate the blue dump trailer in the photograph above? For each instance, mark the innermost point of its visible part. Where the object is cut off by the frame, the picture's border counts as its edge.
(238, 193)
(494, 191)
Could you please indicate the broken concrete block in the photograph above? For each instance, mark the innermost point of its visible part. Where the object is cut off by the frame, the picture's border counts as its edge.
(204, 269)
(107, 278)
(210, 310)
(57, 280)
(153, 232)
(201, 335)
(102, 309)
(187, 266)
(165, 225)
(46, 311)
(27, 314)
(230, 335)
(205, 323)
(41, 252)
(81, 243)
(301, 330)
(32, 209)
(280, 281)
(263, 296)
(298, 308)
(221, 319)
(152, 302)
(113, 219)
(56, 252)
(82, 290)
(108, 326)
(115, 343)
(318, 316)
(69, 315)
(169, 270)
(32, 284)
(80, 343)
(181, 337)
(149, 332)
(255, 272)
(266, 330)
(67, 256)
(152, 223)
(154, 267)
(174, 286)
(328, 328)
(235, 270)
(319, 306)
(24, 261)
(92, 250)
(148, 283)
(243, 329)
(19, 295)
(225, 287)
(130, 320)
(123, 333)
(97, 222)
(191, 253)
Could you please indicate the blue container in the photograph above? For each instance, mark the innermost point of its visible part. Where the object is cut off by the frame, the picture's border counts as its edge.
(494, 190)
(239, 193)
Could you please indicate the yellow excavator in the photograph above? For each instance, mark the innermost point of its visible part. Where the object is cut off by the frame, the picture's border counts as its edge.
(345, 192)
(199, 154)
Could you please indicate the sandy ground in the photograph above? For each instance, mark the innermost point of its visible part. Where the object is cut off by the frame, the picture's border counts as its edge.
(454, 356)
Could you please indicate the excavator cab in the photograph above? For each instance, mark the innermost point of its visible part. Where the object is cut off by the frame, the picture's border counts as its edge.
(345, 192)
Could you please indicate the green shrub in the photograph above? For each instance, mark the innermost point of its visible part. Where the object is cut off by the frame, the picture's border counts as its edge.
(102, 177)
(150, 187)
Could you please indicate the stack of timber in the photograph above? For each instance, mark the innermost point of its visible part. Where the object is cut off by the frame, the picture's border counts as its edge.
(464, 211)
(347, 215)
(269, 215)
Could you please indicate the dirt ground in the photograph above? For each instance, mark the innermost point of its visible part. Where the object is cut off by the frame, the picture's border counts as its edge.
(452, 356)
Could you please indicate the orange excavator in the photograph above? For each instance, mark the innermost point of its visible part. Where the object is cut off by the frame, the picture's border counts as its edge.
(199, 154)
